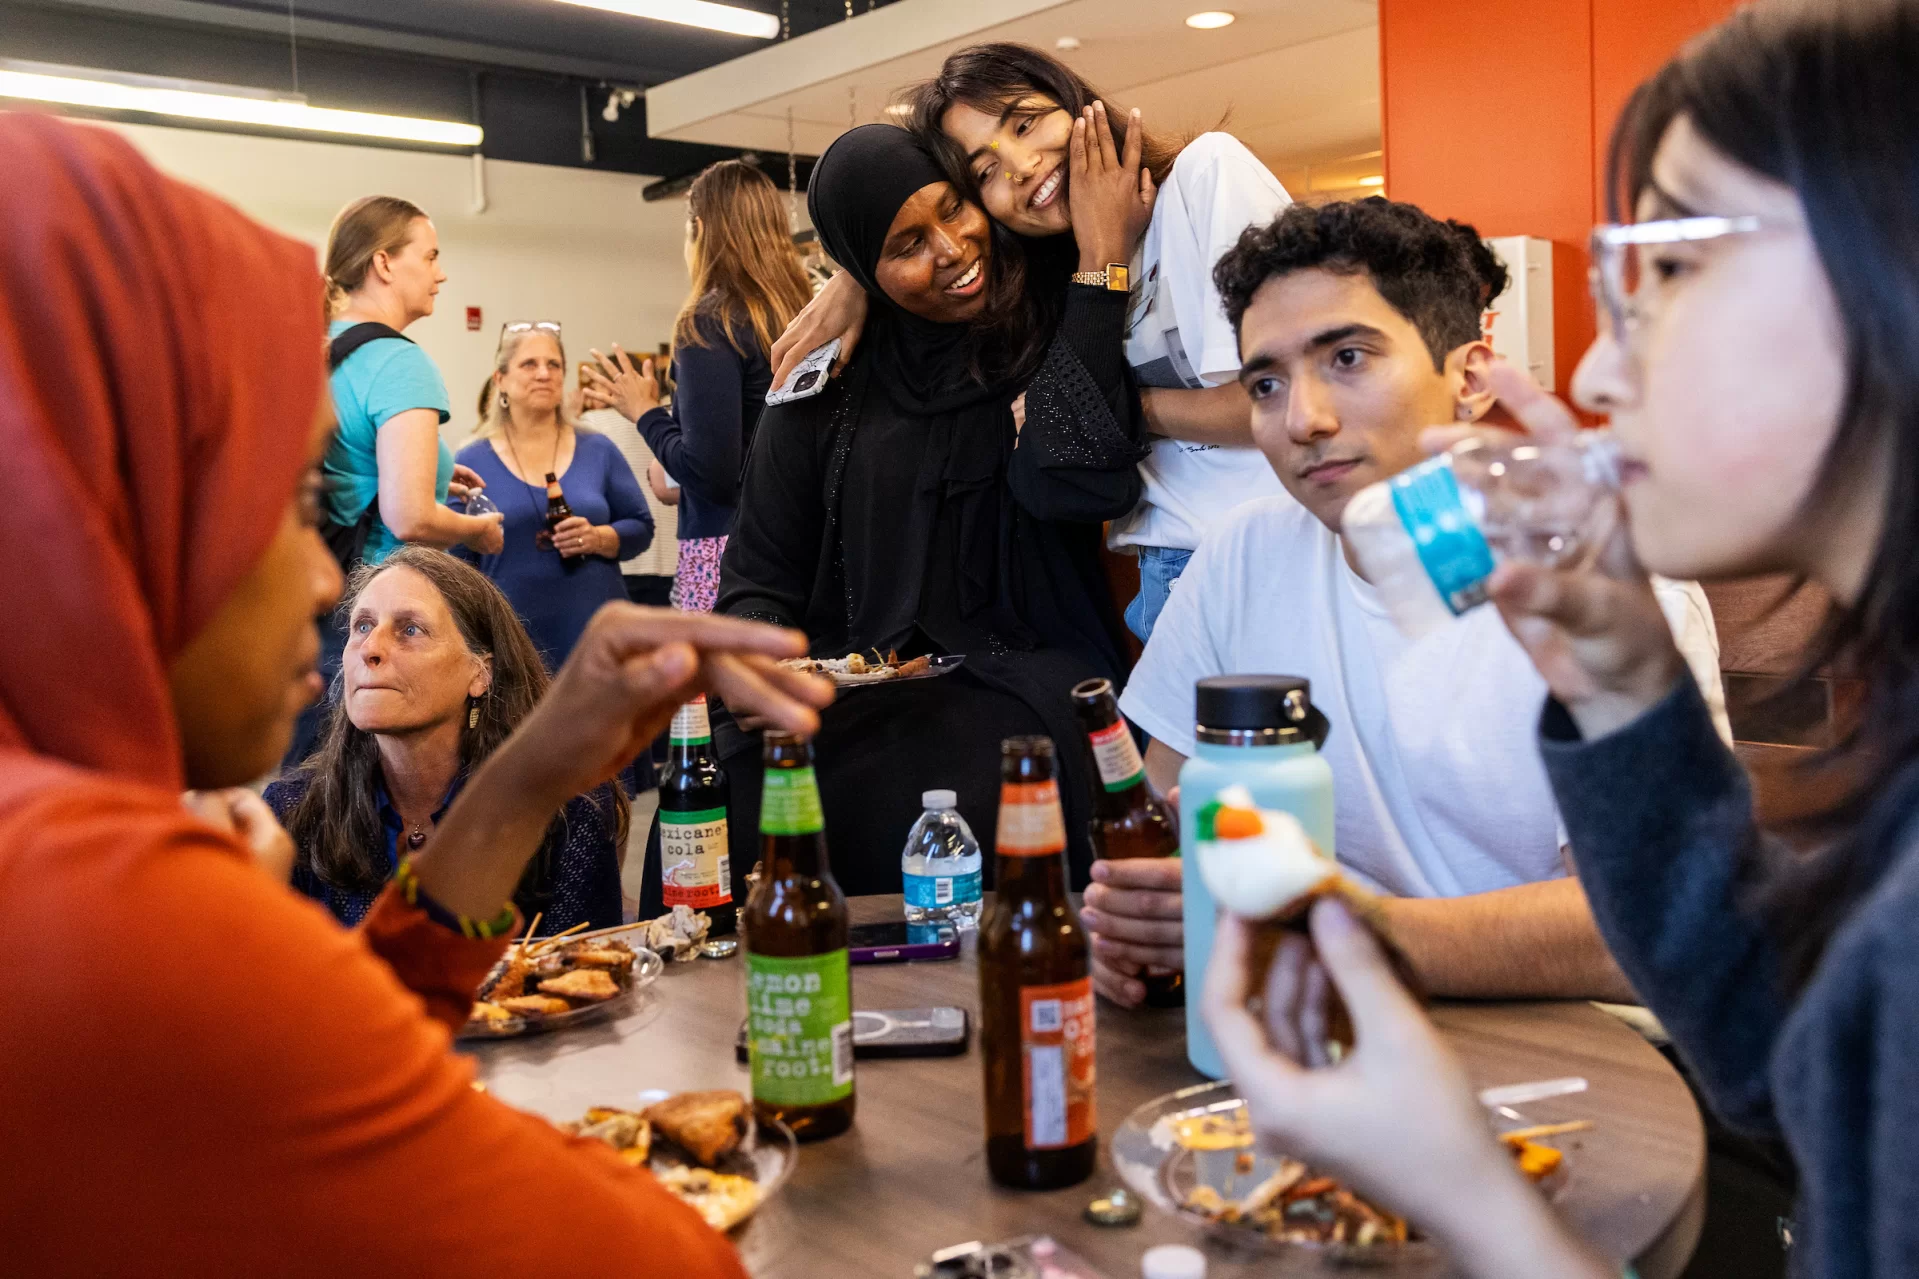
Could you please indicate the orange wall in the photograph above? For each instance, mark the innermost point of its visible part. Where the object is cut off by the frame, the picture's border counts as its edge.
(1497, 112)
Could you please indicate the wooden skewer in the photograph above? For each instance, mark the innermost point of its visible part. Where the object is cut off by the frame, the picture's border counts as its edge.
(537, 917)
(1545, 1130)
(548, 943)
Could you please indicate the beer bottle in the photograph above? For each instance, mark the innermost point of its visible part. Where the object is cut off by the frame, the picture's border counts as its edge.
(1128, 819)
(557, 510)
(798, 991)
(694, 867)
(1036, 989)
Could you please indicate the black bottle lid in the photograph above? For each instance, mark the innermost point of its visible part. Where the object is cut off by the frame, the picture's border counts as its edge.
(1276, 708)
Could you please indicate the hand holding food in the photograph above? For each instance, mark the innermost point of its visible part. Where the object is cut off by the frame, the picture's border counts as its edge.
(1395, 1118)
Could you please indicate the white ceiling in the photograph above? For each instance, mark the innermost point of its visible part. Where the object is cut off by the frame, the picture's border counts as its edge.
(1297, 80)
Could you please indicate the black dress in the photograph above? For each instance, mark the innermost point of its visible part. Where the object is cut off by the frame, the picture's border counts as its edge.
(871, 526)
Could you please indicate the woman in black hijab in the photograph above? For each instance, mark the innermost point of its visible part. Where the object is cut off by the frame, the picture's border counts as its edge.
(902, 508)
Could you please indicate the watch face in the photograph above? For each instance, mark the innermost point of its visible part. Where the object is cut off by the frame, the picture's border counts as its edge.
(1118, 277)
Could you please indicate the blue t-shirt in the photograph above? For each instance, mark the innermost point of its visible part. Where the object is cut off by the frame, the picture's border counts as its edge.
(384, 378)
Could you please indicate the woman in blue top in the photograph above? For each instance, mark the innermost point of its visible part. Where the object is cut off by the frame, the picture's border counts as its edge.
(747, 285)
(555, 582)
(438, 673)
(387, 461)
(387, 471)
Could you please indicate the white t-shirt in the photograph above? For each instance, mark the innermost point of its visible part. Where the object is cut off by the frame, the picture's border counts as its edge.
(1437, 784)
(1177, 335)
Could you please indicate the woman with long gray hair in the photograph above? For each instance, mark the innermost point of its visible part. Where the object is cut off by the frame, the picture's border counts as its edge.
(438, 673)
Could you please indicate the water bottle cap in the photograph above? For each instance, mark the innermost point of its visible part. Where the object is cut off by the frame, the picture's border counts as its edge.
(1277, 707)
(939, 799)
(1173, 1261)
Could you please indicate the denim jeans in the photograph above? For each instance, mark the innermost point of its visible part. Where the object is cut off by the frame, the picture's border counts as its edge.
(1159, 568)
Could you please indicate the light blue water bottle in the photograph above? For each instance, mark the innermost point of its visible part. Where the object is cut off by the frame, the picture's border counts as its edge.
(1262, 732)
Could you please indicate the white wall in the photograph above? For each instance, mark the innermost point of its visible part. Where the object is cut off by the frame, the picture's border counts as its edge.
(572, 245)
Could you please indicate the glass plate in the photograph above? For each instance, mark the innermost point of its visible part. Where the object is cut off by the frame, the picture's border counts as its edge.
(765, 1157)
(647, 968)
(940, 666)
(1153, 1164)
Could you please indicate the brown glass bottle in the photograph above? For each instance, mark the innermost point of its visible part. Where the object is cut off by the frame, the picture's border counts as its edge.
(1036, 990)
(1128, 819)
(798, 991)
(556, 511)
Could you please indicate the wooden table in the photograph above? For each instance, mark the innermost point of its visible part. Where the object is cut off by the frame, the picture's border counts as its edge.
(910, 1177)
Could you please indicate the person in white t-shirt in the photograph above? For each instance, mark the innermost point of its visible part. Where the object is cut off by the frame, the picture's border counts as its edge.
(1000, 118)
(1360, 325)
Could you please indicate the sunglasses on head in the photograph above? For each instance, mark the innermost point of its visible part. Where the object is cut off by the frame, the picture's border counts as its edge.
(527, 326)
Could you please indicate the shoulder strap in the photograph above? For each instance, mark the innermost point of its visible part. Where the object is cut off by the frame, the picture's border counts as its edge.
(351, 340)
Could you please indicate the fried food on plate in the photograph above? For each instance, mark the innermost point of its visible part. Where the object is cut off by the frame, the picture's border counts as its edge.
(589, 984)
(536, 1005)
(707, 1125)
(722, 1198)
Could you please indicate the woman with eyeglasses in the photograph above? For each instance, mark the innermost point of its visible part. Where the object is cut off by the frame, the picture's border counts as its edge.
(555, 579)
(1759, 319)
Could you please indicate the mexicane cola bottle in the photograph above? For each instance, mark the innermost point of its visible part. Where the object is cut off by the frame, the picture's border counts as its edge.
(694, 867)
(798, 992)
(556, 511)
(1036, 989)
(1128, 819)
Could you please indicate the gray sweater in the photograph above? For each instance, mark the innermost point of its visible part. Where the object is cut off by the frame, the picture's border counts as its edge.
(1660, 818)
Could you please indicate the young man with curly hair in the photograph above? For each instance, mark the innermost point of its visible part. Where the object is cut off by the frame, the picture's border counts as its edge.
(1359, 325)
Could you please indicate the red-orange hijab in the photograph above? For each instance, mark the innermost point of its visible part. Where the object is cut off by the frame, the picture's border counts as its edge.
(159, 367)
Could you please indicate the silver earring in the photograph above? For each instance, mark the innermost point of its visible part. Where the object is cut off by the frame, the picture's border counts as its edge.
(502, 399)
(1465, 414)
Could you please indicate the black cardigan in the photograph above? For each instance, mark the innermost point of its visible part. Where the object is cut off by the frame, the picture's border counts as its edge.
(702, 437)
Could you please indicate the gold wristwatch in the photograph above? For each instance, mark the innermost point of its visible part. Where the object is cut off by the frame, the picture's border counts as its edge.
(1117, 277)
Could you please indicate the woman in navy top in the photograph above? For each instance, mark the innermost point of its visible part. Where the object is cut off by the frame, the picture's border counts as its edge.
(747, 284)
(437, 674)
(554, 582)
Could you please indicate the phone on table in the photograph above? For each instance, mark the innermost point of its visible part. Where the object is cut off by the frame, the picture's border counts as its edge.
(900, 1032)
(810, 377)
(897, 941)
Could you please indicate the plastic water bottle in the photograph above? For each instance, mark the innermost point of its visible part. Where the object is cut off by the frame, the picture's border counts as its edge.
(941, 865)
(1429, 537)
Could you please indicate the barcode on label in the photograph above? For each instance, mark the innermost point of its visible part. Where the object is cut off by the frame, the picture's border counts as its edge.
(942, 891)
(843, 1054)
(1046, 1099)
(726, 873)
(1045, 1016)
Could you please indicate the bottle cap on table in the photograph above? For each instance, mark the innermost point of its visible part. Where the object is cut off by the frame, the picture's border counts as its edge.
(939, 799)
(1173, 1261)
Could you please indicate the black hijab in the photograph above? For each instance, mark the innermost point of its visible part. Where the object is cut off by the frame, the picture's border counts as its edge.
(924, 539)
(856, 190)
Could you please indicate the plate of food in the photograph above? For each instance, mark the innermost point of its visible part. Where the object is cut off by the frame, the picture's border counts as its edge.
(1193, 1153)
(856, 669)
(705, 1147)
(554, 983)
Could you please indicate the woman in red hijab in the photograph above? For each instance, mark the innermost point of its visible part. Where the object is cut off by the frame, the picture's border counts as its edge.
(202, 1073)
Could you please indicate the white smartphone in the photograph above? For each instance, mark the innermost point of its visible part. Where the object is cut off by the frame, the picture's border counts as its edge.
(810, 377)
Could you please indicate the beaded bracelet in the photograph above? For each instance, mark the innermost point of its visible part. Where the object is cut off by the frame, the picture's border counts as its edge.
(409, 883)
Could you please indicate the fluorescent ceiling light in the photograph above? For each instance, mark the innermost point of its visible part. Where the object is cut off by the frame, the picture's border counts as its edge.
(1374, 181)
(222, 104)
(693, 13)
(1210, 18)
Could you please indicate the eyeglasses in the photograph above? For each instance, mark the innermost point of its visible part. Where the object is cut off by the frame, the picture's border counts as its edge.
(1617, 270)
(527, 326)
